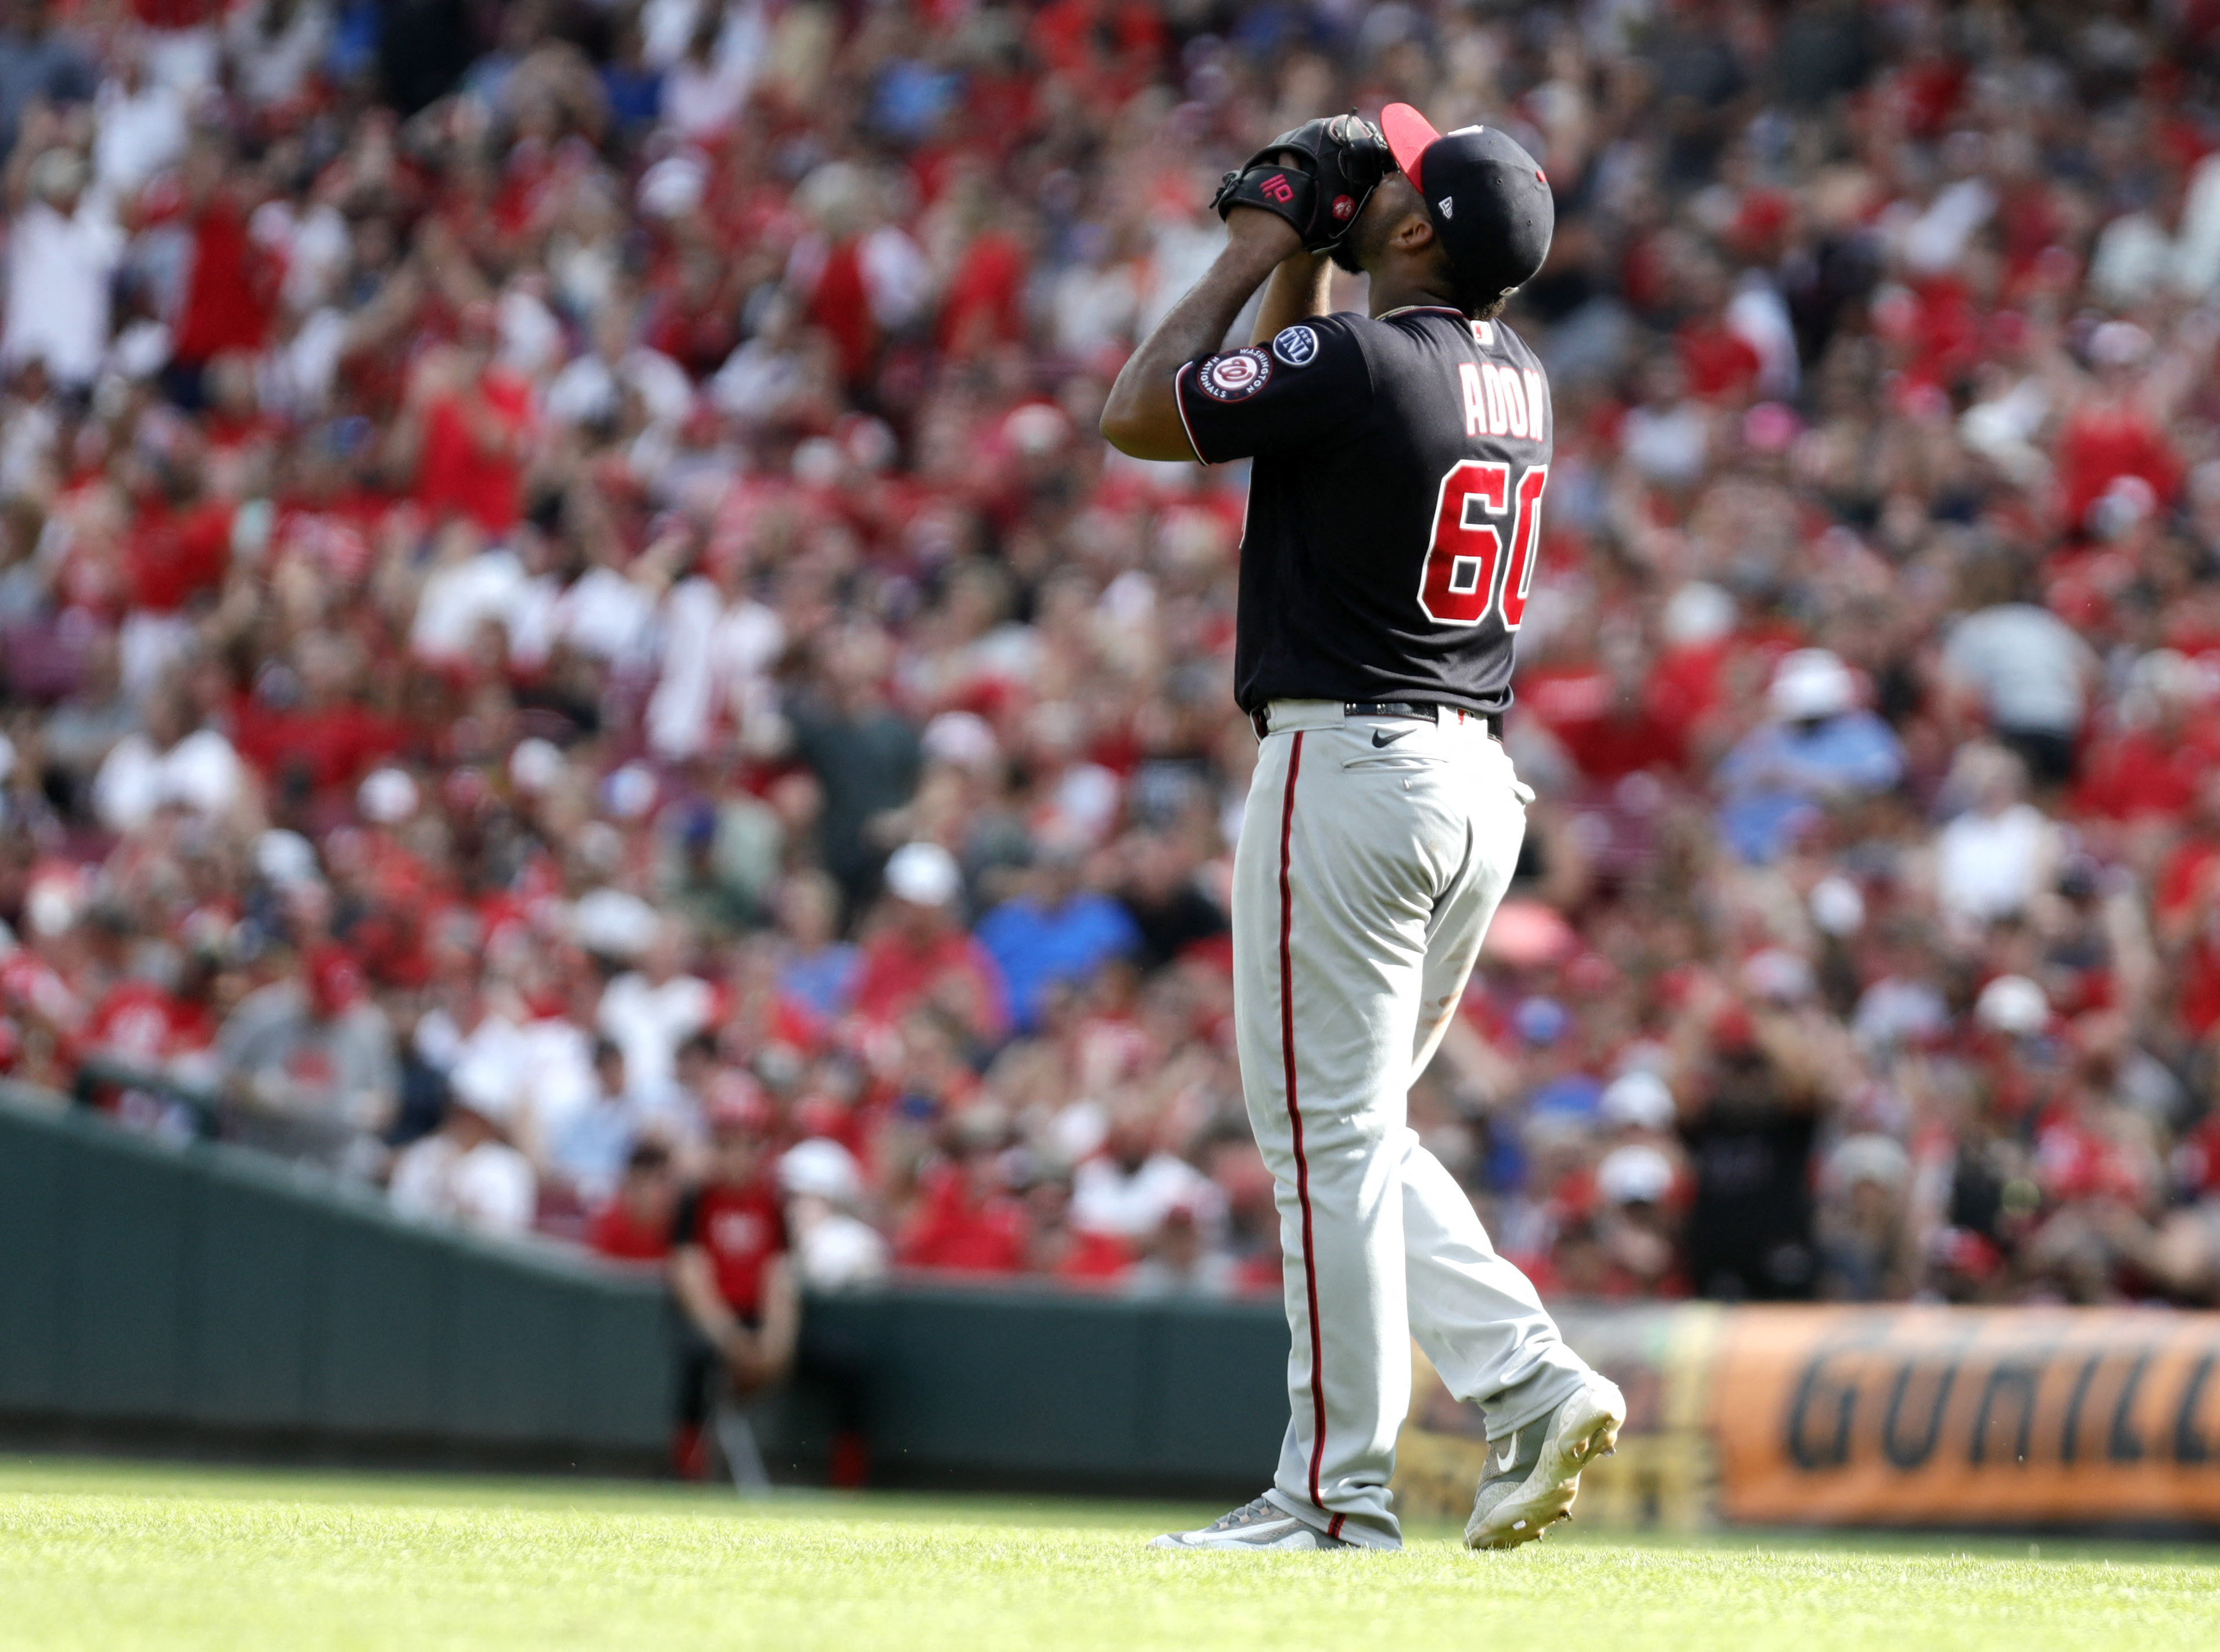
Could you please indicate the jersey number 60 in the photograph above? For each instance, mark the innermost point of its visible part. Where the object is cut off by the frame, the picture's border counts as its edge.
(1466, 572)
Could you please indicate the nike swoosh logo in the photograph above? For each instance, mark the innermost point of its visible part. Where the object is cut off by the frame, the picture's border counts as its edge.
(1510, 1456)
(1381, 737)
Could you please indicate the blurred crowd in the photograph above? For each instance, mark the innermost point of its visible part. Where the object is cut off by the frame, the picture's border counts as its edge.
(568, 645)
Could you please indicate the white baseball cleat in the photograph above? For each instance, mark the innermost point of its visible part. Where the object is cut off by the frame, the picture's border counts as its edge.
(1252, 1528)
(1534, 1475)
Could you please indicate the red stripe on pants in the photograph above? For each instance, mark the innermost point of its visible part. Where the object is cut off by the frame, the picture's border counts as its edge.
(1295, 1117)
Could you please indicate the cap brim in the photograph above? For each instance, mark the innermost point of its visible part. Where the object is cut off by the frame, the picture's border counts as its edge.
(1408, 132)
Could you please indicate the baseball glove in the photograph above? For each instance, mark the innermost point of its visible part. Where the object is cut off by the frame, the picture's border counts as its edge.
(1317, 176)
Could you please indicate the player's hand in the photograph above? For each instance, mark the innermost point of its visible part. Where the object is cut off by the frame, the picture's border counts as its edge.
(741, 1355)
(751, 1363)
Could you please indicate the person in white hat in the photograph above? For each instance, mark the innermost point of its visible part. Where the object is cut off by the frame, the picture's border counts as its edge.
(386, 796)
(1623, 1242)
(1637, 1173)
(834, 1248)
(651, 1010)
(1818, 745)
(465, 1172)
(2014, 1005)
(1865, 1253)
(916, 949)
(62, 256)
(1636, 1227)
(1639, 1103)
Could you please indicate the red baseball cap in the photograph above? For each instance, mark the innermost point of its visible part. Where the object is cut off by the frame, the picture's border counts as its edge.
(736, 1104)
(334, 980)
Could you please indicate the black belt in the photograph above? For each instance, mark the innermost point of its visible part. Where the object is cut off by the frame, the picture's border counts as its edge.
(1426, 710)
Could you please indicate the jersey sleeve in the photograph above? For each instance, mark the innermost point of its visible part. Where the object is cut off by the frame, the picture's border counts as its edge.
(1312, 383)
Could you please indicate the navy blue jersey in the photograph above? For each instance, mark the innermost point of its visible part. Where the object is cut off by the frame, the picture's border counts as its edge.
(1395, 504)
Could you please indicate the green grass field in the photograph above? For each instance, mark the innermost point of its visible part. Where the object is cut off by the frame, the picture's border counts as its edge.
(96, 1555)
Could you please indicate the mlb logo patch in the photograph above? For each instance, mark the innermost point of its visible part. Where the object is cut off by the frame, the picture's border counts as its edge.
(1296, 347)
(1237, 377)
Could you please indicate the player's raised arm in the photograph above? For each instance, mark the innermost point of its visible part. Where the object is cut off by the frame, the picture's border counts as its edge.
(1142, 416)
(1290, 208)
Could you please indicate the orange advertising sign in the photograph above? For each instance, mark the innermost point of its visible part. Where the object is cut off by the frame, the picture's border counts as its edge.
(1934, 1415)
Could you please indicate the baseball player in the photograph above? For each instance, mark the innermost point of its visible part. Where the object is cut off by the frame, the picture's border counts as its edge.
(1393, 520)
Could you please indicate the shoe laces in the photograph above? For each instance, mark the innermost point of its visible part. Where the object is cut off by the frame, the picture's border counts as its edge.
(1248, 1514)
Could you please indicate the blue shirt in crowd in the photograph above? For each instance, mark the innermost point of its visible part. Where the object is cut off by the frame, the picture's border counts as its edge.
(1781, 772)
(823, 980)
(1038, 946)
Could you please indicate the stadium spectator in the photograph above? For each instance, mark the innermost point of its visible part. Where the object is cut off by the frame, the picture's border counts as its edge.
(62, 257)
(1618, 1239)
(1134, 1185)
(1819, 746)
(1181, 1261)
(590, 1152)
(834, 1248)
(1056, 1247)
(915, 952)
(818, 968)
(466, 1172)
(521, 526)
(1863, 1238)
(1751, 1120)
(864, 754)
(733, 1272)
(653, 1011)
(40, 66)
(1999, 851)
(310, 1055)
(1053, 932)
(634, 1225)
(2029, 671)
(965, 1219)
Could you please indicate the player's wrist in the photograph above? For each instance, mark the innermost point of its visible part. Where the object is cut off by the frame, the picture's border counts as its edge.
(1253, 233)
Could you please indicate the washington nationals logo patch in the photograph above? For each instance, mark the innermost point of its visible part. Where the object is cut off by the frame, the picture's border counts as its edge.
(1296, 345)
(1235, 377)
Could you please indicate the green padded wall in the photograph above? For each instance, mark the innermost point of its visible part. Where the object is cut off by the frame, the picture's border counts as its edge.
(209, 1297)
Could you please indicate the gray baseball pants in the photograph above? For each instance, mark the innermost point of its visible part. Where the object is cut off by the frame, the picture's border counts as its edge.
(1365, 876)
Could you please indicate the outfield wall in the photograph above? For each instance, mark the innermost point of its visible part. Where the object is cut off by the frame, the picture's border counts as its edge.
(205, 1299)
(202, 1298)
(202, 1295)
